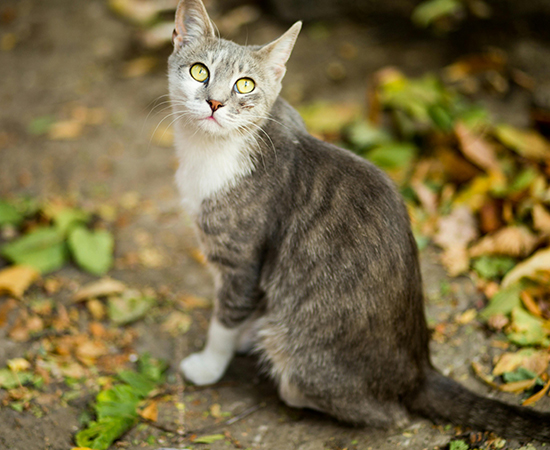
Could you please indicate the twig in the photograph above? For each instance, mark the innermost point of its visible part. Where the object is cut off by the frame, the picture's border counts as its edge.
(247, 412)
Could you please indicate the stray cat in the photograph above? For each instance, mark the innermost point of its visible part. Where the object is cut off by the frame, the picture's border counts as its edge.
(316, 267)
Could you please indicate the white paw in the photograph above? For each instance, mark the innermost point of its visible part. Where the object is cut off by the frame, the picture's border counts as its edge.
(201, 369)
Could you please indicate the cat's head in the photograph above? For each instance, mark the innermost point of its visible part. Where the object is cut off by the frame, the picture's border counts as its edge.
(217, 87)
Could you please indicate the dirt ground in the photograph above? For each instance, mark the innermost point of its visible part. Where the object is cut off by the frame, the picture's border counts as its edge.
(69, 53)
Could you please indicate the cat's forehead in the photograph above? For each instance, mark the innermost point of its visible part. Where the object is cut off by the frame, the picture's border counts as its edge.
(222, 54)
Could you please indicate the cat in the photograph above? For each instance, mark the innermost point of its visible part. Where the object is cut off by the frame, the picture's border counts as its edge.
(315, 264)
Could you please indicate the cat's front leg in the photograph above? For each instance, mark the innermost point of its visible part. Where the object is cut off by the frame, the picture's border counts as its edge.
(209, 365)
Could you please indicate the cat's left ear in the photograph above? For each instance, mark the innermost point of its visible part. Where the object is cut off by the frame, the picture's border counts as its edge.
(277, 52)
(192, 22)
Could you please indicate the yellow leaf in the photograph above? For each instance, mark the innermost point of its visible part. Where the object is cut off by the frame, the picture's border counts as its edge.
(535, 361)
(528, 268)
(541, 218)
(518, 386)
(536, 397)
(18, 364)
(15, 280)
(527, 143)
(467, 316)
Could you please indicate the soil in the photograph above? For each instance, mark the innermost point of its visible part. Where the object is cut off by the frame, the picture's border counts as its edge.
(71, 53)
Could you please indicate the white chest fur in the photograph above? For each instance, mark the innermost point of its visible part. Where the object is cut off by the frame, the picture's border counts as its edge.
(208, 166)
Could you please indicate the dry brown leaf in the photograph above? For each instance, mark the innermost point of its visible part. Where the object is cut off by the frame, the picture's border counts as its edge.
(150, 412)
(482, 374)
(476, 149)
(528, 268)
(88, 351)
(6, 307)
(216, 411)
(530, 304)
(456, 260)
(198, 256)
(457, 229)
(517, 241)
(15, 280)
(102, 288)
(518, 386)
(541, 218)
(97, 309)
(177, 323)
(66, 130)
(467, 316)
(536, 397)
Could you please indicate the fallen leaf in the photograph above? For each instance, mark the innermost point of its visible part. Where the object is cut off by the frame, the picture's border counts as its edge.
(92, 250)
(198, 256)
(541, 218)
(42, 249)
(525, 329)
(7, 306)
(329, 118)
(209, 439)
(150, 411)
(503, 302)
(467, 316)
(455, 259)
(457, 229)
(518, 386)
(131, 306)
(533, 360)
(516, 241)
(476, 149)
(483, 375)
(9, 214)
(530, 304)
(528, 268)
(177, 323)
(527, 143)
(490, 267)
(96, 308)
(536, 397)
(67, 130)
(18, 364)
(15, 280)
(101, 288)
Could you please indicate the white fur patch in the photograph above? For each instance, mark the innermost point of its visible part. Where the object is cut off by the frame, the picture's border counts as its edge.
(208, 366)
(208, 166)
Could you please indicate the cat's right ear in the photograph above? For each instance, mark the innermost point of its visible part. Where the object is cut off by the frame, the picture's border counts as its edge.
(192, 22)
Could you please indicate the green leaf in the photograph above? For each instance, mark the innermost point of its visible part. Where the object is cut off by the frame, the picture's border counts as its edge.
(459, 444)
(432, 10)
(523, 180)
(527, 329)
(119, 401)
(362, 135)
(141, 384)
(92, 250)
(493, 266)
(209, 439)
(101, 434)
(67, 218)
(503, 302)
(40, 125)
(9, 214)
(130, 307)
(519, 374)
(42, 249)
(392, 155)
(151, 368)
(10, 380)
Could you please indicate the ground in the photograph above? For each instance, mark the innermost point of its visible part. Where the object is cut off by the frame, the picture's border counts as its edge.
(69, 54)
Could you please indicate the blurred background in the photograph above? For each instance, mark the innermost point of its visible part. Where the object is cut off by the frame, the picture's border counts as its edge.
(450, 97)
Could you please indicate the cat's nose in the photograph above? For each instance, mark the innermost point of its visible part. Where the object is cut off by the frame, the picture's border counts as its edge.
(214, 105)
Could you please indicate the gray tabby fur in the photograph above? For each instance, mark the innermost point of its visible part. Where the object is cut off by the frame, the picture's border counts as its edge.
(315, 262)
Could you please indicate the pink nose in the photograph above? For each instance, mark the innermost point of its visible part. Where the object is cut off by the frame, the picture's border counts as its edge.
(214, 105)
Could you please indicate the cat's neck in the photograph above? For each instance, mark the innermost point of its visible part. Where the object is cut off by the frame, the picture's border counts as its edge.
(209, 165)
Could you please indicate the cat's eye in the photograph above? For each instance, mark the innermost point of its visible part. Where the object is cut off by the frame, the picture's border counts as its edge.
(245, 85)
(199, 72)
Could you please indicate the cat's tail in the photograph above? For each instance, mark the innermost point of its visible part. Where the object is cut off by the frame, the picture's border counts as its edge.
(444, 400)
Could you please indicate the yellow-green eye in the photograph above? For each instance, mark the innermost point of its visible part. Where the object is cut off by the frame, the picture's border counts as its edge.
(199, 72)
(244, 85)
